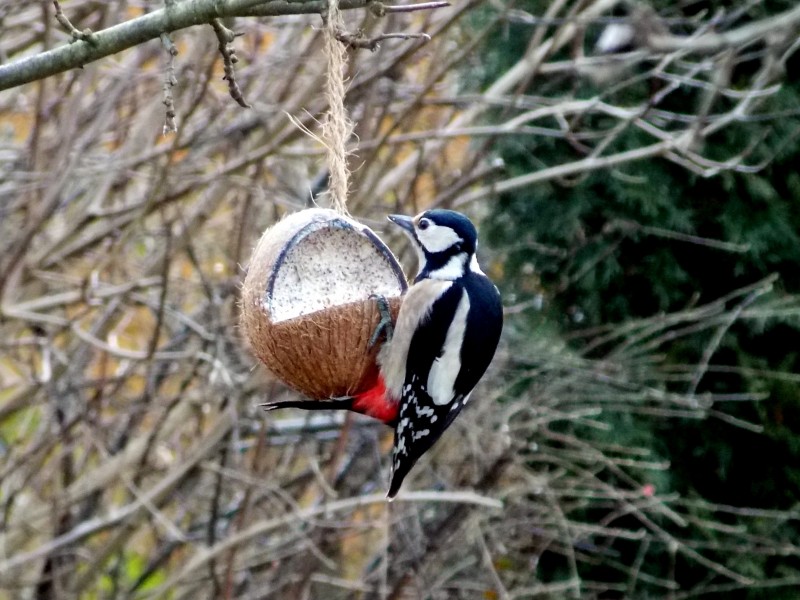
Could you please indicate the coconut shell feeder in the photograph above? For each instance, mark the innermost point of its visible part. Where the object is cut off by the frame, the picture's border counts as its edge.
(307, 309)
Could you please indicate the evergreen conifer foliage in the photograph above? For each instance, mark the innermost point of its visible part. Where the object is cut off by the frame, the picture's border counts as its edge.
(679, 266)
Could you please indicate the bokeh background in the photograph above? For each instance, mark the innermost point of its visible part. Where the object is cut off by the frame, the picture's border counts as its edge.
(633, 169)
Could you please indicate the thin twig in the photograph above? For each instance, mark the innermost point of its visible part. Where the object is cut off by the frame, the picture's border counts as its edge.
(766, 287)
(77, 35)
(229, 58)
(379, 9)
(169, 82)
(358, 41)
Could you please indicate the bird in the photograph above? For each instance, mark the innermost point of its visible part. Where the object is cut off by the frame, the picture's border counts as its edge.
(446, 335)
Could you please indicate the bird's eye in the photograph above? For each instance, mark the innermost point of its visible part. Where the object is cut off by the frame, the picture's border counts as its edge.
(424, 224)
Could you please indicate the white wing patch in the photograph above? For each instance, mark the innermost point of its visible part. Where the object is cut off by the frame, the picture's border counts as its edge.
(445, 369)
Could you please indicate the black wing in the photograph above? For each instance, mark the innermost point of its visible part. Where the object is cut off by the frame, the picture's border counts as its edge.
(484, 326)
(421, 421)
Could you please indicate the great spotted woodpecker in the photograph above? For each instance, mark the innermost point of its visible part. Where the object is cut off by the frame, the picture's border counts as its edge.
(446, 335)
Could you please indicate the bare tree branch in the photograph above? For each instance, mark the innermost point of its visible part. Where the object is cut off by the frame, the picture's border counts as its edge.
(148, 27)
(122, 252)
(783, 24)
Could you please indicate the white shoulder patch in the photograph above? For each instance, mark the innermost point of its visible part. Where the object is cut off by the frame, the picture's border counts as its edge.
(445, 369)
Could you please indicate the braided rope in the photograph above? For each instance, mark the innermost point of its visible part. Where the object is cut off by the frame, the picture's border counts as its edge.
(336, 127)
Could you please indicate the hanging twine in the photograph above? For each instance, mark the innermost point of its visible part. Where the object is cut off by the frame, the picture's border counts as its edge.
(336, 127)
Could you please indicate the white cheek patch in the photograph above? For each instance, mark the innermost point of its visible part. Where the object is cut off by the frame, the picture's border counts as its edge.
(445, 369)
(437, 238)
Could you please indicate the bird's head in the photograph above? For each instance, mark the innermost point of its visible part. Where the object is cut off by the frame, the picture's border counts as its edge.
(445, 242)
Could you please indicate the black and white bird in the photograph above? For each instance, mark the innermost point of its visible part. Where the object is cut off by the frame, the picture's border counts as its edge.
(445, 336)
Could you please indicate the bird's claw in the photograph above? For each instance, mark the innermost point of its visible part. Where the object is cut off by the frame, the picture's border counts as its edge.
(385, 324)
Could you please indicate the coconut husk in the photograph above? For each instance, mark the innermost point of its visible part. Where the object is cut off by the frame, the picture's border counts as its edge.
(306, 306)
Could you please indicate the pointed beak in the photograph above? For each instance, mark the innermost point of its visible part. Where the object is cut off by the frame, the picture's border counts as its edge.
(406, 223)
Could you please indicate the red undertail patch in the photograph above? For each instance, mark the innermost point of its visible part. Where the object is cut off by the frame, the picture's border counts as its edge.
(375, 403)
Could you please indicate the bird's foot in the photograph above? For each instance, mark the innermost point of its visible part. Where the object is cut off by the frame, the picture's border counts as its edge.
(385, 324)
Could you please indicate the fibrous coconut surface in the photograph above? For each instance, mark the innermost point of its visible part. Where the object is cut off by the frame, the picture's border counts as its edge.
(306, 303)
